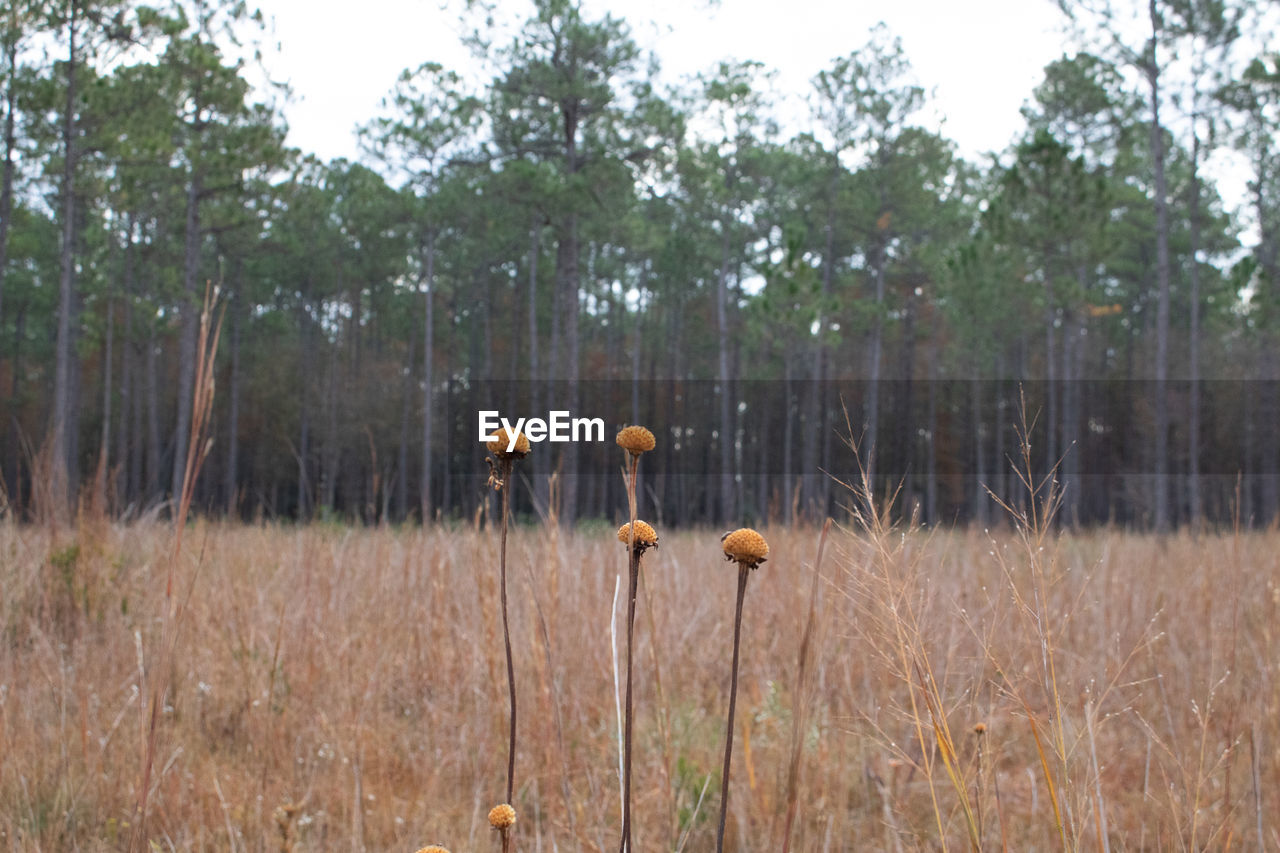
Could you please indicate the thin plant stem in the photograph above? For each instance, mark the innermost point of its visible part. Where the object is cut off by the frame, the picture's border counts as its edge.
(633, 567)
(210, 331)
(626, 761)
(506, 632)
(733, 703)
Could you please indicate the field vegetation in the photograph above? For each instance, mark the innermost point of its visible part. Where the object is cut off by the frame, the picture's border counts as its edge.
(344, 688)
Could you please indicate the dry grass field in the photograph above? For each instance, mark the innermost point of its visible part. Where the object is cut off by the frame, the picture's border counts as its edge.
(345, 689)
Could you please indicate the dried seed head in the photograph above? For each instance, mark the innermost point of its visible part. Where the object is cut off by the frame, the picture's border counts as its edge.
(745, 546)
(979, 729)
(501, 440)
(433, 848)
(635, 440)
(502, 816)
(646, 536)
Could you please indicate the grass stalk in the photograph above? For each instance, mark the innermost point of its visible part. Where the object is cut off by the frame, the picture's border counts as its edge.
(506, 633)
(633, 582)
(628, 712)
(210, 330)
(743, 572)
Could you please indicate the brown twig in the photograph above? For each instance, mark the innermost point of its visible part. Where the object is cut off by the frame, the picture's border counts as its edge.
(743, 572)
(633, 570)
(506, 633)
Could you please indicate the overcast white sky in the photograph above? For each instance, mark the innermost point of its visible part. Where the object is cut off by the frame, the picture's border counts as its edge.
(982, 57)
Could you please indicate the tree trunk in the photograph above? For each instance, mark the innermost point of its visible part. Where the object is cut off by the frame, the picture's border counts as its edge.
(6, 208)
(122, 493)
(65, 410)
(1002, 475)
(134, 435)
(816, 448)
(154, 490)
(104, 438)
(187, 344)
(931, 444)
(1070, 451)
(329, 455)
(233, 411)
(1269, 463)
(304, 427)
(428, 377)
(637, 342)
(567, 277)
(788, 435)
(15, 391)
(1051, 388)
(725, 443)
(1161, 507)
(902, 451)
(874, 357)
(6, 181)
(1193, 347)
(125, 449)
(1269, 455)
(978, 509)
(406, 415)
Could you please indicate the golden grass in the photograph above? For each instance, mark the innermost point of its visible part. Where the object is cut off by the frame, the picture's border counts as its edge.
(349, 681)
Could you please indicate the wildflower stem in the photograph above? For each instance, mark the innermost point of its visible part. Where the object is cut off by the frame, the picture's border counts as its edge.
(626, 761)
(733, 703)
(633, 565)
(506, 632)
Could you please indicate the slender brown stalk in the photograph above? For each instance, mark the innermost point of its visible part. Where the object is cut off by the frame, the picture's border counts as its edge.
(505, 447)
(506, 634)
(626, 745)
(197, 450)
(743, 572)
(633, 567)
(635, 440)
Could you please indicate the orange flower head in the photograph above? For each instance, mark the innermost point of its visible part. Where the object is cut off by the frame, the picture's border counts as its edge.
(745, 547)
(636, 440)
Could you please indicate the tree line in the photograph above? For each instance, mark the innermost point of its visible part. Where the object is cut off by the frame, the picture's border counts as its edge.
(788, 310)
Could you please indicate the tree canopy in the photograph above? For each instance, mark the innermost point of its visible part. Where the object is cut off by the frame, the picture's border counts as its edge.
(785, 307)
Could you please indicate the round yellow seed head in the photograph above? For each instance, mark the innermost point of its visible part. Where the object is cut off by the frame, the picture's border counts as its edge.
(979, 729)
(745, 546)
(646, 536)
(635, 440)
(501, 440)
(502, 816)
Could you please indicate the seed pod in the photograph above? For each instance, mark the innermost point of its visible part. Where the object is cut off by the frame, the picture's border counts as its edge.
(646, 536)
(501, 440)
(636, 440)
(502, 816)
(746, 547)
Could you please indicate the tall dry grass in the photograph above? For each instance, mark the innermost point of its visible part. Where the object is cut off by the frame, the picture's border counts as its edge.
(343, 689)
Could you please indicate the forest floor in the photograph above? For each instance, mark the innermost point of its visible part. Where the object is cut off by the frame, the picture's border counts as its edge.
(333, 688)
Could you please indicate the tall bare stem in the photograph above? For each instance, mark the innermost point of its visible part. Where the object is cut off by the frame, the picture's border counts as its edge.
(506, 632)
(633, 566)
(743, 572)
